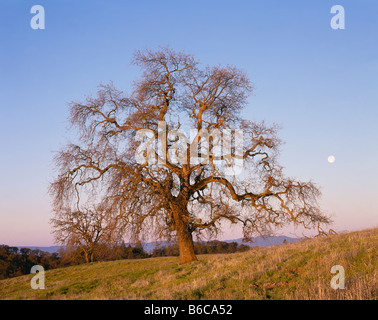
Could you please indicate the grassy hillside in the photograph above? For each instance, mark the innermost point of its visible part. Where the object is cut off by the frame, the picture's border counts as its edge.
(291, 271)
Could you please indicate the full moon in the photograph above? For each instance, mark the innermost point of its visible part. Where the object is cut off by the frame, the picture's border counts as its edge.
(331, 159)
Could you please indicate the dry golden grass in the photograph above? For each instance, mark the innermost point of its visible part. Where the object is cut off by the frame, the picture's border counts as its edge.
(292, 271)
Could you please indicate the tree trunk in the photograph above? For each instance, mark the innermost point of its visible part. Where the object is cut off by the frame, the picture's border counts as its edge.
(186, 247)
(184, 237)
(86, 256)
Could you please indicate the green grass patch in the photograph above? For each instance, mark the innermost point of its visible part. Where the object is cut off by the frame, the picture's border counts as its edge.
(292, 271)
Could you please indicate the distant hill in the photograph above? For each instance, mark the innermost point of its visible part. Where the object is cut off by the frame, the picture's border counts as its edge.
(265, 242)
(50, 249)
(257, 242)
(150, 246)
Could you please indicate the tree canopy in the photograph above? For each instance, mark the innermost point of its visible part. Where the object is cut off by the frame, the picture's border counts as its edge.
(134, 158)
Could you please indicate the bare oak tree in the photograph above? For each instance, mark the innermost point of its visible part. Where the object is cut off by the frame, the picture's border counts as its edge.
(170, 195)
(88, 230)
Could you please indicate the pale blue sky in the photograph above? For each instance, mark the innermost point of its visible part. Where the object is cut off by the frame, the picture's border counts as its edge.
(319, 84)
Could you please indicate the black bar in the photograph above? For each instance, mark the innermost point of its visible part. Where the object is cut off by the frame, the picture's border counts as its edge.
(188, 309)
